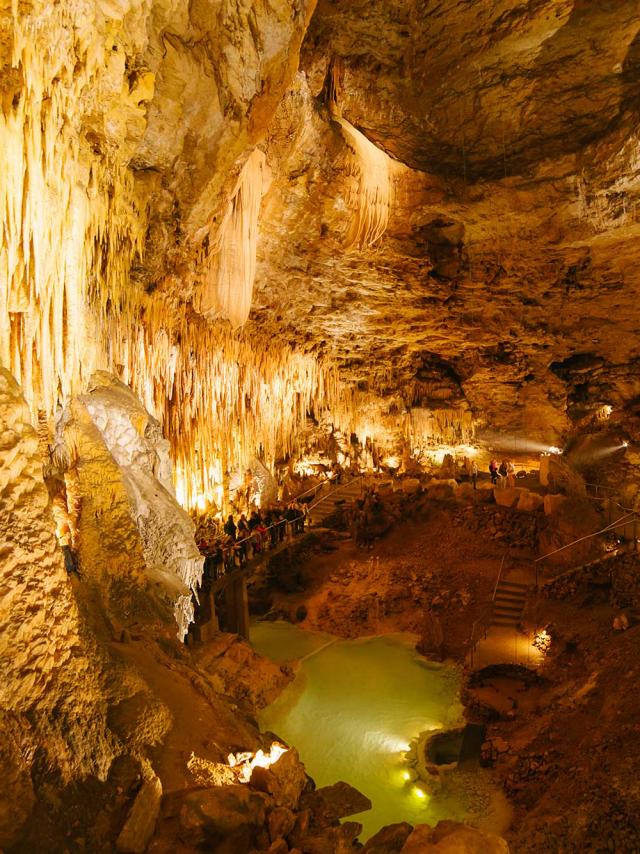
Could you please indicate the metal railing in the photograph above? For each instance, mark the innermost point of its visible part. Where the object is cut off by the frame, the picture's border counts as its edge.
(286, 522)
(621, 522)
(340, 486)
(482, 624)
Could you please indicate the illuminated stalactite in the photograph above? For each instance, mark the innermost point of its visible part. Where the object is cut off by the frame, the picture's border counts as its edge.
(228, 284)
(449, 427)
(371, 200)
(71, 226)
(371, 196)
(220, 395)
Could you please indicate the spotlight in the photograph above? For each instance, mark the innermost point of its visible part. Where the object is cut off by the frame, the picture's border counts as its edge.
(419, 793)
(553, 450)
(625, 444)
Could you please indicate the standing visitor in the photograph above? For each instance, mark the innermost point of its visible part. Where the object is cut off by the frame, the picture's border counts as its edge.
(474, 473)
(493, 471)
(230, 528)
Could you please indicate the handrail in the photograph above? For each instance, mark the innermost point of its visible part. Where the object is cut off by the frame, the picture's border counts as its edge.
(495, 589)
(221, 539)
(337, 489)
(611, 527)
(484, 620)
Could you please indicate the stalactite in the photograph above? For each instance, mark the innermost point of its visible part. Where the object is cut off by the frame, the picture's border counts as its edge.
(73, 225)
(371, 201)
(70, 229)
(219, 395)
(440, 426)
(227, 289)
(372, 197)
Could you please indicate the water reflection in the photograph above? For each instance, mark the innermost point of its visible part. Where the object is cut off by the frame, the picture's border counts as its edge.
(352, 711)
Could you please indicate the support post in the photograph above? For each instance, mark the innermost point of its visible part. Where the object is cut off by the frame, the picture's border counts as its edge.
(240, 606)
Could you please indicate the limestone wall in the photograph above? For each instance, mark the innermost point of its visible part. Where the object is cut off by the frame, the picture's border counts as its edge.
(51, 697)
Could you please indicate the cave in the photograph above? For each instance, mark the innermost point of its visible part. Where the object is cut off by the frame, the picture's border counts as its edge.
(319, 426)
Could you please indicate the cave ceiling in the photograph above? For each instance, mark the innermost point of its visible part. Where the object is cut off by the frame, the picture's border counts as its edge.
(512, 132)
(512, 239)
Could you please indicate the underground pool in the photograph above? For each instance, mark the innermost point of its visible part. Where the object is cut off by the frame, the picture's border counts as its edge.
(352, 712)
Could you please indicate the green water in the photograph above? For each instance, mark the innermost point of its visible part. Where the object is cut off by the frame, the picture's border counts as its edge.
(351, 712)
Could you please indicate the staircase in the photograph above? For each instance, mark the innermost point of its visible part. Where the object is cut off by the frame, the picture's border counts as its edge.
(345, 495)
(508, 603)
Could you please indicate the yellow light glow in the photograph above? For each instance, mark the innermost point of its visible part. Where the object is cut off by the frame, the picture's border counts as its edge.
(406, 775)
(244, 763)
(420, 793)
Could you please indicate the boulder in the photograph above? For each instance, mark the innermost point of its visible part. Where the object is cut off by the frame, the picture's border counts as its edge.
(411, 485)
(552, 504)
(529, 502)
(442, 490)
(231, 814)
(141, 821)
(331, 803)
(507, 496)
(449, 837)
(281, 822)
(332, 840)
(285, 780)
(388, 840)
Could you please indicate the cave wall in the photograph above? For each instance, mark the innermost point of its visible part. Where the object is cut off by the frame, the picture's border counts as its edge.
(52, 699)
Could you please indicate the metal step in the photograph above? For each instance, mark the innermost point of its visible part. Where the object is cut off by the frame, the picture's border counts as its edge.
(509, 602)
(515, 585)
(507, 609)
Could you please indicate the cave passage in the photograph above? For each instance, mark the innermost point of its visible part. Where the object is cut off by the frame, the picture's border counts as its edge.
(352, 711)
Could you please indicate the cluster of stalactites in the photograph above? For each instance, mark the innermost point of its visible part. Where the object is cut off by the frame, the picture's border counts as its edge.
(221, 396)
(71, 226)
(440, 427)
(227, 288)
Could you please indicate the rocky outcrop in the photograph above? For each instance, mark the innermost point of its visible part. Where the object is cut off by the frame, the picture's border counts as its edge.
(52, 696)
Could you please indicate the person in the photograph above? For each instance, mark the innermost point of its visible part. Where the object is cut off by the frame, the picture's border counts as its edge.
(270, 522)
(493, 471)
(242, 534)
(218, 561)
(230, 528)
(511, 473)
(282, 525)
(474, 473)
(291, 515)
(70, 559)
(261, 533)
(502, 471)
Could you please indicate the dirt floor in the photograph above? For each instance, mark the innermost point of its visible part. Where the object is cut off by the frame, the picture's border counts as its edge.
(436, 565)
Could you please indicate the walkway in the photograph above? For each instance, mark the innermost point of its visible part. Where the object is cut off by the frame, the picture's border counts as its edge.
(342, 496)
(499, 641)
(231, 587)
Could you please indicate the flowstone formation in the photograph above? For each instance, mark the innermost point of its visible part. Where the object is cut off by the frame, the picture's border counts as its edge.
(53, 699)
